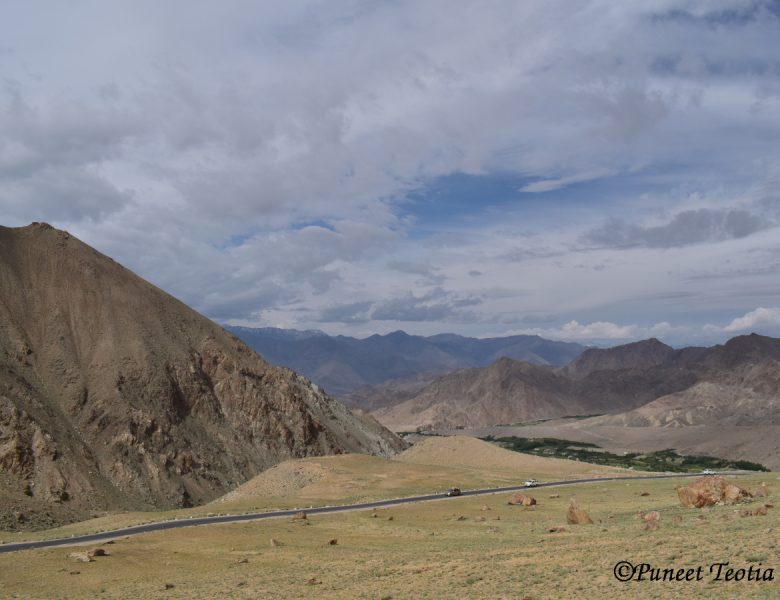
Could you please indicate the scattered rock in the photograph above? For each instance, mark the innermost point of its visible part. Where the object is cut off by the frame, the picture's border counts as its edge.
(480, 519)
(551, 496)
(652, 520)
(299, 516)
(576, 515)
(242, 561)
(644, 493)
(20, 517)
(522, 499)
(484, 508)
(275, 542)
(333, 542)
(461, 518)
(762, 491)
(676, 520)
(80, 557)
(75, 573)
(390, 518)
(557, 529)
(761, 511)
(98, 552)
(169, 586)
(313, 581)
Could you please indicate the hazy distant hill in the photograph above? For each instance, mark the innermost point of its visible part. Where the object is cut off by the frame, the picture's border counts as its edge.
(342, 364)
(115, 394)
(650, 383)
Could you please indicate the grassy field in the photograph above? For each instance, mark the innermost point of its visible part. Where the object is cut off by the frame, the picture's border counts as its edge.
(458, 547)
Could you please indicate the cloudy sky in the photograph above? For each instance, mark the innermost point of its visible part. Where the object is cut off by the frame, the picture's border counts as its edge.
(596, 171)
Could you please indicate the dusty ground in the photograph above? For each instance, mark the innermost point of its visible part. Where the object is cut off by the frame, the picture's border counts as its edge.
(433, 550)
(458, 547)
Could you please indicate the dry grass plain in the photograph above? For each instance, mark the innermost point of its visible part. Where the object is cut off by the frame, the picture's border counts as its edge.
(458, 547)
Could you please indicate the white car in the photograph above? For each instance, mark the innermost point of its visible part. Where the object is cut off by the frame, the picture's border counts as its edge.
(531, 483)
(708, 472)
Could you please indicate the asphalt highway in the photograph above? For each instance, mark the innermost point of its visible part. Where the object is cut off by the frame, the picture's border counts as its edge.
(276, 514)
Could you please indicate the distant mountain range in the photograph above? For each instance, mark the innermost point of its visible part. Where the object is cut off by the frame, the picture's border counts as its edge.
(643, 383)
(341, 364)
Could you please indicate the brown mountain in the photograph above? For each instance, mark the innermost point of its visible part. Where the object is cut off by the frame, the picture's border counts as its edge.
(738, 384)
(652, 385)
(115, 394)
(637, 355)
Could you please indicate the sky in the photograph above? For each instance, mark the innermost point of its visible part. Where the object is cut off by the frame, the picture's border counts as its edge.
(594, 171)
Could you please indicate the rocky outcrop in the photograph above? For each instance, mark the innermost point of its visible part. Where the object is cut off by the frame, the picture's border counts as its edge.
(708, 491)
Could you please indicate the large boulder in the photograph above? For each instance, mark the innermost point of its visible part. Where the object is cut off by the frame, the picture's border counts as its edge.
(522, 499)
(711, 490)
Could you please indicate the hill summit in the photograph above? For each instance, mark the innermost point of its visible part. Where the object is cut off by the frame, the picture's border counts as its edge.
(114, 394)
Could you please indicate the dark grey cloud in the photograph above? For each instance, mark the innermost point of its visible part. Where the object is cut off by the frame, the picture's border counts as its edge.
(354, 312)
(436, 305)
(687, 227)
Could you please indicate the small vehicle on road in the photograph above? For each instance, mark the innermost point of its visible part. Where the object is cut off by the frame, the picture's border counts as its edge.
(531, 483)
(454, 492)
(708, 472)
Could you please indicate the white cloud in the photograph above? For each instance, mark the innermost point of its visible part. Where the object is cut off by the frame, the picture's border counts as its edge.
(758, 318)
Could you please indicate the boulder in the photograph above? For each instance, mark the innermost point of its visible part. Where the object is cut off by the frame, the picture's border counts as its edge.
(734, 493)
(522, 499)
(652, 520)
(762, 491)
(711, 490)
(80, 557)
(275, 542)
(576, 515)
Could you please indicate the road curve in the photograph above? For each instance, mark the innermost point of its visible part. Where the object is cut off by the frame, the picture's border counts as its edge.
(193, 522)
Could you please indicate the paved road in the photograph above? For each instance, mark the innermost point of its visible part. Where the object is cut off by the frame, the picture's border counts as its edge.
(163, 525)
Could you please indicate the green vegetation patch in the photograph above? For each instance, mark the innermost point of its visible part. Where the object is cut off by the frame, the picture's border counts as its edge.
(662, 460)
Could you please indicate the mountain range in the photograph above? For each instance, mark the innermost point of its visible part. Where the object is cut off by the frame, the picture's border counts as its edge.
(643, 383)
(114, 394)
(342, 364)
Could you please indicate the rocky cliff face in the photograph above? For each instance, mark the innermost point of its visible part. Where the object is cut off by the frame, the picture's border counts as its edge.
(114, 394)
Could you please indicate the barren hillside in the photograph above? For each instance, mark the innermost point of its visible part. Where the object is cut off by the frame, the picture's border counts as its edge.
(114, 394)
